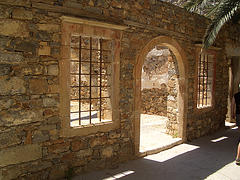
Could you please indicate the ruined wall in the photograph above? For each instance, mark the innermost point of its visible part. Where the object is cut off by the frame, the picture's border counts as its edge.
(30, 43)
(160, 87)
(154, 82)
(172, 126)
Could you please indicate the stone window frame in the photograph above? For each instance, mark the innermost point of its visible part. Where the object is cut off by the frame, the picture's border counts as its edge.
(90, 28)
(210, 51)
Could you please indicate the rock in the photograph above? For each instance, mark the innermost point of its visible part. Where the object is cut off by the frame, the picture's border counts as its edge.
(96, 141)
(13, 28)
(5, 103)
(53, 120)
(107, 152)
(14, 118)
(52, 70)
(24, 46)
(21, 13)
(59, 148)
(10, 57)
(77, 145)
(49, 102)
(8, 139)
(84, 153)
(11, 86)
(20, 154)
(5, 69)
(58, 172)
(38, 86)
(4, 13)
(44, 49)
(43, 36)
(40, 136)
(49, 27)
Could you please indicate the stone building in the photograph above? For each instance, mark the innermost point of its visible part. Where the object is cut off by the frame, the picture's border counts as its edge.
(70, 81)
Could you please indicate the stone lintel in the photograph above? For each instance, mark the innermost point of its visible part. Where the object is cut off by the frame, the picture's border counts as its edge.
(92, 23)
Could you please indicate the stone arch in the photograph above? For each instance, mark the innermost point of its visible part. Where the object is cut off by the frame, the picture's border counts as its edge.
(183, 83)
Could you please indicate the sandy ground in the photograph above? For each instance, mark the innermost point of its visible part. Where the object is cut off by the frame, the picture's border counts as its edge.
(152, 133)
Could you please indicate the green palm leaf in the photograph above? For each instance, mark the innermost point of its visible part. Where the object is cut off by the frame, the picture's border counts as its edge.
(193, 5)
(196, 5)
(212, 11)
(225, 12)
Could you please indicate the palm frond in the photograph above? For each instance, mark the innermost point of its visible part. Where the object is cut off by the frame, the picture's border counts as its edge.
(204, 3)
(193, 5)
(225, 12)
(196, 5)
(213, 10)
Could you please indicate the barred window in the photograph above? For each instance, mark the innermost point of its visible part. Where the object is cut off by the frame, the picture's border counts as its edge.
(89, 76)
(90, 80)
(205, 80)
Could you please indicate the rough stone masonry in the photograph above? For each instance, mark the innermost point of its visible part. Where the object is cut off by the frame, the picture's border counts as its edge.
(31, 146)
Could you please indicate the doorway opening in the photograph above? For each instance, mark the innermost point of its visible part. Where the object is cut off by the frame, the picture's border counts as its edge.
(159, 118)
(234, 81)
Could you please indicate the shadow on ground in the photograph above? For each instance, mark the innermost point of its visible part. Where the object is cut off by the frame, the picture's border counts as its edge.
(210, 157)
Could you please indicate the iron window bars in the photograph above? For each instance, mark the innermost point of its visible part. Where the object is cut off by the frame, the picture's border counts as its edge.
(205, 80)
(90, 80)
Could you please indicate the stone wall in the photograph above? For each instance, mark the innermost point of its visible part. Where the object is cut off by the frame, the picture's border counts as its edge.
(172, 126)
(154, 82)
(154, 101)
(30, 47)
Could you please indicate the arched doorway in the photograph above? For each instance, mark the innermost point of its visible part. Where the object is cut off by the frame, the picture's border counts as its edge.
(178, 53)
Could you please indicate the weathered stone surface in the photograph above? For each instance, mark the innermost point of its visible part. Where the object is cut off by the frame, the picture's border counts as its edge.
(38, 86)
(3, 12)
(22, 14)
(4, 41)
(43, 36)
(40, 136)
(154, 101)
(58, 172)
(10, 173)
(44, 49)
(8, 139)
(107, 152)
(6, 103)
(4, 69)
(96, 141)
(20, 154)
(10, 86)
(52, 70)
(14, 118)
(13, 28)
(49, 102)
(34, 69)
(25, 46)
(49, 27)
(17, 2)
(58, 148)
(53, 120)
(77, 145)
(11, 57)
(84, 153)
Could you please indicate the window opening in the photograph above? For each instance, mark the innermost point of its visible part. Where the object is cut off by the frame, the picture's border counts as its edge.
(90, 80)
(205, 80)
